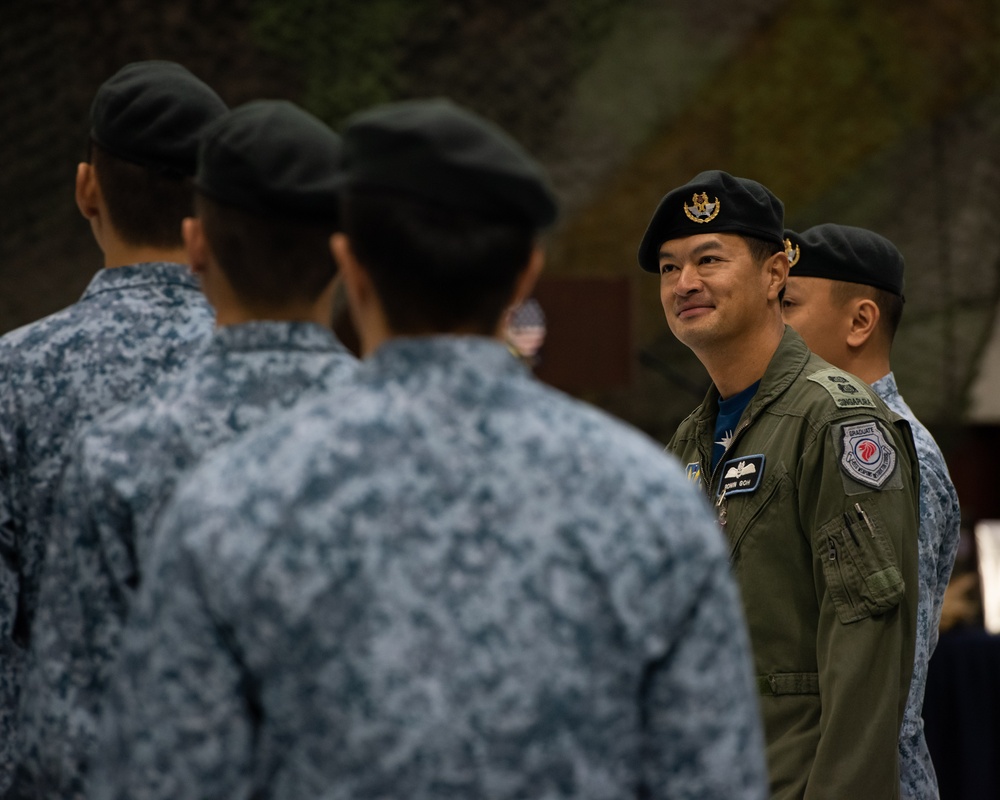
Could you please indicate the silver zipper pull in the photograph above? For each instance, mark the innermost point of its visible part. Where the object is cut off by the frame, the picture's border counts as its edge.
(723, 508)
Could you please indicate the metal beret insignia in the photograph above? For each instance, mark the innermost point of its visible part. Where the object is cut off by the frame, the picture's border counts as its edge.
(792, 251)
(700, 209)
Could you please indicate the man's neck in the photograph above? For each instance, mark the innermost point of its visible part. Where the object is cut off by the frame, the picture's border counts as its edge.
(736, 365)
(870, 373)
(122, 255)
(868, 363)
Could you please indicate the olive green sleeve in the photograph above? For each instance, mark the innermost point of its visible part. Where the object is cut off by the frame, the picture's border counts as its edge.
(864, 542)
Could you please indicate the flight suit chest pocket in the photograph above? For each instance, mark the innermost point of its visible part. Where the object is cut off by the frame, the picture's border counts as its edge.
(861, 568)
(741, 513)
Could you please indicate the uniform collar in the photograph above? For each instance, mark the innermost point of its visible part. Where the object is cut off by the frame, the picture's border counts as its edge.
(415, 358)
(150, 273)
(273, 335)
(886, 387)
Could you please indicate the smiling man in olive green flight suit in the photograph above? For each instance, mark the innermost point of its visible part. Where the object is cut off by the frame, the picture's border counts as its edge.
(815, 484)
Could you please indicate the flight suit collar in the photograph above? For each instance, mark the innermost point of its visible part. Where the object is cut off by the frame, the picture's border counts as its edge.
(785, 366)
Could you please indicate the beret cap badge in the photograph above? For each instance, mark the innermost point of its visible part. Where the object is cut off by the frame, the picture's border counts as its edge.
(792, 251)
(701, 210)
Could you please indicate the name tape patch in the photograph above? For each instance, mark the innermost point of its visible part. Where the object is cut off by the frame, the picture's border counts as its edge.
(742, 474)
(867, 457)
(846, 390)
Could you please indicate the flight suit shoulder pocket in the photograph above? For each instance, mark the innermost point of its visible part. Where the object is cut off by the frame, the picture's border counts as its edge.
(860, 566)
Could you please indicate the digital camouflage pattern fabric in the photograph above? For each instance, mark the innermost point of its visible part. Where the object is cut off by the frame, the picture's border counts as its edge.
(445, 581)
(122, 470)
(133, 325)
(940, 524)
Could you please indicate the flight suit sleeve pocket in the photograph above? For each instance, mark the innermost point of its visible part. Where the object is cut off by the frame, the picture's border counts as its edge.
(860, 567)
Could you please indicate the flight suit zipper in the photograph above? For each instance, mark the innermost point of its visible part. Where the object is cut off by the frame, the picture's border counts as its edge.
(722, 510)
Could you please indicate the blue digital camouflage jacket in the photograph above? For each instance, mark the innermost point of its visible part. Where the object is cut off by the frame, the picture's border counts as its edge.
(938, 535)
(121, 471)
(133, 325)
(446, 581)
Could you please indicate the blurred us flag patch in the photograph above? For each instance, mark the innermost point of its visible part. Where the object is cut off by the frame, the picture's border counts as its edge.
(525, 330)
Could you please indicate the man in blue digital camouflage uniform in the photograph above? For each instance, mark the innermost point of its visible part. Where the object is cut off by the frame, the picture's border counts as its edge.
(266, 206)
(845, 298)
(136, 321)
(447, 580)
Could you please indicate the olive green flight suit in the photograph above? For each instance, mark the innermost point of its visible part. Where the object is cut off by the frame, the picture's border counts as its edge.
(817, 494)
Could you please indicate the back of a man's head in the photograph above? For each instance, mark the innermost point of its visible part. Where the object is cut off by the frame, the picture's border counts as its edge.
(267, 196)
(443, 210)
(146, 121)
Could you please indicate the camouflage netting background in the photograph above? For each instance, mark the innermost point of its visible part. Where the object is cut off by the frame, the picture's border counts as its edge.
(880, 115)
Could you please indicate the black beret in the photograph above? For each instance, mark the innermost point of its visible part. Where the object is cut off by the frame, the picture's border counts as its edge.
(152, 113)
(845, 253)
(435, 151)
(712, 202)
(272, 158)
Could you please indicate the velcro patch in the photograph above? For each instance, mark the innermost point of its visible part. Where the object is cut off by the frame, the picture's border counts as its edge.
(846, 390)
(742, 474)
(867, 457)
(693, 471)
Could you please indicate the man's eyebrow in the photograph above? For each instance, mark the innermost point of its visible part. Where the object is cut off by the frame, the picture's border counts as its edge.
(711, 244)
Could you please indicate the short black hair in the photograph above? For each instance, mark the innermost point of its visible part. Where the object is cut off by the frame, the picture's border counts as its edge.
(145, 206)
(761, 249)
(268, 261)
(435, 269)
(890, 304)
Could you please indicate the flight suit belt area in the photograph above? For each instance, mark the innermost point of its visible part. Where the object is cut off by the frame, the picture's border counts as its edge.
(788, 683)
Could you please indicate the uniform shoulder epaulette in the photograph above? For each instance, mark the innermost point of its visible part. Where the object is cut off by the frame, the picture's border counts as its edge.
(847, 391)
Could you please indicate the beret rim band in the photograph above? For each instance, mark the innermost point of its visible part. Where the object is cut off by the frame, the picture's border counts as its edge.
(649, 256)
(163, 166)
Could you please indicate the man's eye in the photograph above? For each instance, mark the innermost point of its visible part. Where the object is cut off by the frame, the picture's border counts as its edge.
(708, 260)
(787, 304)
(665, 268)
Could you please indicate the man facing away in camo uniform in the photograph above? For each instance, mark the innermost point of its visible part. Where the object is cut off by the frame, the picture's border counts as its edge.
(845, 298)
(446, 580)
(135, 322)
(266, 206)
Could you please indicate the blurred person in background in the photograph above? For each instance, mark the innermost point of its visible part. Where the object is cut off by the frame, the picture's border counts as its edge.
(266, 205)
(137, 321)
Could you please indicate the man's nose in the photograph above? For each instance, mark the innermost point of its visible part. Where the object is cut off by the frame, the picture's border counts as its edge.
(688, 280)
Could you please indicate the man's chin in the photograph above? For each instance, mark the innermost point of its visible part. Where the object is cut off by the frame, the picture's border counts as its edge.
(692, 331)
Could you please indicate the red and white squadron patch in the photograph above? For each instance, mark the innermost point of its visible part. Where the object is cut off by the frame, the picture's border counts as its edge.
(868, 458)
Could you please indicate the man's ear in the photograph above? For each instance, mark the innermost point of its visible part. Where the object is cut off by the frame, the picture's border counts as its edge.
(361, 296)
(529, 276)
(777, 271)
(88, 191)
(195, 244)
(864, 321)
(355, 279)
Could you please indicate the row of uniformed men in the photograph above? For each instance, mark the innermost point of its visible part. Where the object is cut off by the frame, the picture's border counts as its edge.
(433, 575)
